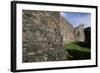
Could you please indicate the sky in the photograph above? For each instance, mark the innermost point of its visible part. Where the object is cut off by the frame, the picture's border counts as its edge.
(77, 18)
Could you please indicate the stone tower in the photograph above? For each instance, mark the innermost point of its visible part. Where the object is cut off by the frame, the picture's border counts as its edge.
(79, 33)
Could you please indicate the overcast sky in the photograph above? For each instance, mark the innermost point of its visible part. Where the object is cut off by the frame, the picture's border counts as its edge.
(76, 18)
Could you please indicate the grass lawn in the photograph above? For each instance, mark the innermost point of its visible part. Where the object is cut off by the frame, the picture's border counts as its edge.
(78, 50)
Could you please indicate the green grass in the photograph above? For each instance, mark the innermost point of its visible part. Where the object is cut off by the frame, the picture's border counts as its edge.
(78, 50)
(73, 46)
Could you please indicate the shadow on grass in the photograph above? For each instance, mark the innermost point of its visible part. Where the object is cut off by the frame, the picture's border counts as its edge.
(77, 55)
(78, 50)
(83, 44)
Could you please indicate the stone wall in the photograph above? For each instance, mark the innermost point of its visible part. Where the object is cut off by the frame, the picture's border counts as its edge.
(67, 31)
(42, 39)
(44, 34)
(79, 33)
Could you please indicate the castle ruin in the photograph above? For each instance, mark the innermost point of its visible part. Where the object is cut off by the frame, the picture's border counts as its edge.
(43, 36)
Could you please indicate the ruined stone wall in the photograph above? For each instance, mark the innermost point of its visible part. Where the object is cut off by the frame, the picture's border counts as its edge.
(42, 39)
(44, 34)
(70, 33)
(79, 33)
(67, 31)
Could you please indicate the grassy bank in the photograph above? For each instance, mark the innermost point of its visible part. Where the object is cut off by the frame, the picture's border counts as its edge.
(78, 50)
